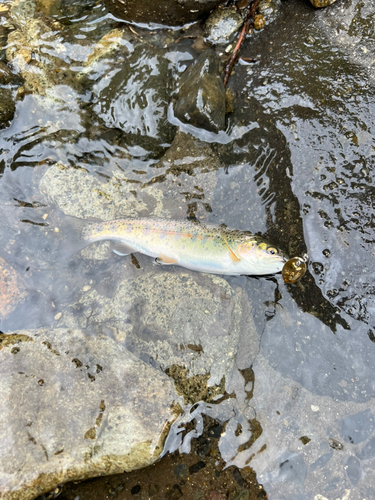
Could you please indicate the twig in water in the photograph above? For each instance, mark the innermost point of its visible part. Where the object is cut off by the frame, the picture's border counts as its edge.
(245, 28)
(133, 31)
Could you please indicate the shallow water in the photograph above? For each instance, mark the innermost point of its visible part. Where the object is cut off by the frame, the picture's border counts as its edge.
(295, 164)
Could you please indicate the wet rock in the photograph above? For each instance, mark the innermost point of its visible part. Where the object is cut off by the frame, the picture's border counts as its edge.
(81, 195)
(193, 469)
(35, 50)
(349, 25)
(150, 308)
(187, 172)
(22, 11)
(75, 406)
(135, 99)
(283, 472)
(195, 388)
(4, 31)
(167, 12)
(7, 77)
(181, 471)
(65, 11)
(187, 154)
(259, 22)
(269, 9)
(111, 47)
(367, 452)
(25, 55)
(357, 428)
(353, 470)
(201, 96)
(221, 25)
(12, 290)
(322, 3)
(182, 183)
(7, 107)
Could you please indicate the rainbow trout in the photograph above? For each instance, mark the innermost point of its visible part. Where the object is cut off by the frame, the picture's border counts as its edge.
(200, 247)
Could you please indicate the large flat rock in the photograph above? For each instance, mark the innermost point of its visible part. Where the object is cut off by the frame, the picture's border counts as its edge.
(73, 406)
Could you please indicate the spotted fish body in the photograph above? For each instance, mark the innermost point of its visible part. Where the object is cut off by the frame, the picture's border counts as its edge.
(200, 247)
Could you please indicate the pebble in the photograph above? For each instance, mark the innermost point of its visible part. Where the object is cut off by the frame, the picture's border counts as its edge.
(259, 22)
(322, 3)
(222, 24)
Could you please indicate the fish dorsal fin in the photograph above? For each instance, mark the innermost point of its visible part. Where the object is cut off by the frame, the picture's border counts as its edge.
(121, 249)
(232, 254)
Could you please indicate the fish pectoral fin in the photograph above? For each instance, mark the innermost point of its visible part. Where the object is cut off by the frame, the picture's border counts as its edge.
(232, 254)
(121, 249)
(163, 259)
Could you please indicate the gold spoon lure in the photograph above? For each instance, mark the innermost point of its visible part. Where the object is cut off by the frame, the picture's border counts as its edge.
(294, 269)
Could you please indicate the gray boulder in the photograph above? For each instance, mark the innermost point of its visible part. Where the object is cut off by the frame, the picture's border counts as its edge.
(201, 96)
(73, 406)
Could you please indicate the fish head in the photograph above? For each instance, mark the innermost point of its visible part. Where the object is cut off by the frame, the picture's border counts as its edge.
(263, 258)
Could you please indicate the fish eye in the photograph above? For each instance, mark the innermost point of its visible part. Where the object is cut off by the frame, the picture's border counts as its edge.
(272, 250)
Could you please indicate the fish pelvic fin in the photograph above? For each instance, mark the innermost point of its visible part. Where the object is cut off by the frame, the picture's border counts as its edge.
(163, 259)
(232, 254)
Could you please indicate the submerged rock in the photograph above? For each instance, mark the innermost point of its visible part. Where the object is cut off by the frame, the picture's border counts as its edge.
(111, 49)
(167, 12)
(4, 31)
(182, 183)
(35, 50)
(350, 26)
(27, 55)
(74, 406)
(12, 290)
(7, 107)
(82, 195)
(322, 3)
(221, 25)
(21, 11)
(269, 9)
(150, 307)
(65, 10)
(7, 77)
(201, 96)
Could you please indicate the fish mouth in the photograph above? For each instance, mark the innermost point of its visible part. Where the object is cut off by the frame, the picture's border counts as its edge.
(284, 258)
(280, 262)
(275, 266)
(281, 265)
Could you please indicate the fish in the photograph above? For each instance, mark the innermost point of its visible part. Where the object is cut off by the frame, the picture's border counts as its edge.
(197, 246)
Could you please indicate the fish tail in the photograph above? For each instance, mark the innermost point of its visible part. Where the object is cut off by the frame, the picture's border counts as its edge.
(75, 239)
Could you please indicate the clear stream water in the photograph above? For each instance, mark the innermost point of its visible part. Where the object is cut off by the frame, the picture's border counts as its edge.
(296, 163)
